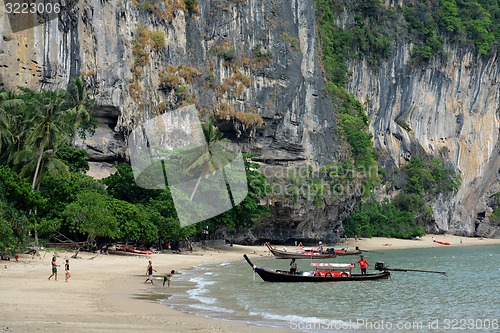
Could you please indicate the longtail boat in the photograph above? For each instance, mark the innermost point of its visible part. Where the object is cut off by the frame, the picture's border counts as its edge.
(323, 273)
(302, 254)
(312, 253)
(128, 250)
(345, 252)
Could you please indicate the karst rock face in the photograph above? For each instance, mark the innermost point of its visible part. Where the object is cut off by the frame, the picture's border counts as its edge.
(449, 109)
(255, 66)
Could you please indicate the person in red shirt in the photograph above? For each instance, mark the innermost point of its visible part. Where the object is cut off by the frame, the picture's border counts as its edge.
(362, 264)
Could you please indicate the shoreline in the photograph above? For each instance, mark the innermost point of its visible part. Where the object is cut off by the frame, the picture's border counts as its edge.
(128, 296)
(383, 243)
(103, 294)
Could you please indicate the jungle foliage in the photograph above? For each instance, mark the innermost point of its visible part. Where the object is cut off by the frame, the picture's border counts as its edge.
(44, 189)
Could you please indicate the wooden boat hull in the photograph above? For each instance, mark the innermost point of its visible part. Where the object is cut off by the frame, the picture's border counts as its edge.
(269, 275)
(348, 253)
(145, 252)
(283, 276)
(292, 255)
(125, 253)
(278, 254)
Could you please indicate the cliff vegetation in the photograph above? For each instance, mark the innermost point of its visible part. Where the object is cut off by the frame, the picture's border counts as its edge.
(369, 31)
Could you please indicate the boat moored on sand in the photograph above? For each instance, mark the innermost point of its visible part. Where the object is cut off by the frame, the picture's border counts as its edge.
(302, 254)
(441, 242)
(311, 252)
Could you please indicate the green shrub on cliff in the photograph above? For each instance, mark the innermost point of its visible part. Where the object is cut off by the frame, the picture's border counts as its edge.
(430, 177)
(336, 47)
(375, 28)
(476, 22)
(423, 180)
(495, 217)
(191, 5)
(381, 219)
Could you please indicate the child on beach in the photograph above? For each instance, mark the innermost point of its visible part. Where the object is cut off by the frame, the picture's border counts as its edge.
(167, 278)
(66, 268)
(54, 268)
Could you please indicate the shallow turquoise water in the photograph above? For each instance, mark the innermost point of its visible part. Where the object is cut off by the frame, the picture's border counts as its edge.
(466, 300)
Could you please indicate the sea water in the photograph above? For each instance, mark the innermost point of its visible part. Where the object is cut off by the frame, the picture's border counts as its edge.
(467, 299)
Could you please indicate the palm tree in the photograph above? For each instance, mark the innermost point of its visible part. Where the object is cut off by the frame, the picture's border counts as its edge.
(52, 117)
(5, 124)
(81, 101)
(47, 163)
(205, 160)
(8, 102)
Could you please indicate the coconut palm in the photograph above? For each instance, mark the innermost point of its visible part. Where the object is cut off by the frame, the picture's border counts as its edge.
(8, 102)
(205, 160)
(5, 125)
(52, 117)
(81, 102)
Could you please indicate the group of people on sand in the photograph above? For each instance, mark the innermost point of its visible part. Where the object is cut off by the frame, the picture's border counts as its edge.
(54, 269)
(149, 273)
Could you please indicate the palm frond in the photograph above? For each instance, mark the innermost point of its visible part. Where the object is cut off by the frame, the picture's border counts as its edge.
(56, 166)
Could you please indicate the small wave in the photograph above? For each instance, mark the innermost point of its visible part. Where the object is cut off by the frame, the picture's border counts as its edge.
(197, 291)
(201, 289)
(200, 267)
(224, 264)
(203, 299)
(201, 282)
(211, 308)
(320, 322)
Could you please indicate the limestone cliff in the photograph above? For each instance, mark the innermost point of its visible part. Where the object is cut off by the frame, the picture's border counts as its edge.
(254, 66)
(447, 108)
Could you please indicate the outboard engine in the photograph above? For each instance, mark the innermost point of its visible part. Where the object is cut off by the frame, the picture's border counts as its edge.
(379, 266)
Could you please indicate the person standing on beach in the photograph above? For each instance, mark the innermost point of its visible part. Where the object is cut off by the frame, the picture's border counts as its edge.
(66, 269)
(149, 273)
(167, 278)
(54, 268)
(363, 263)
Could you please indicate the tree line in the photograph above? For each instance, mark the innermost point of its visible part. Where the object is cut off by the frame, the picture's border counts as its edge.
(45, 193)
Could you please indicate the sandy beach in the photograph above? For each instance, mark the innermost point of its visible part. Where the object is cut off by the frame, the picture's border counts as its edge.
(104, 292)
